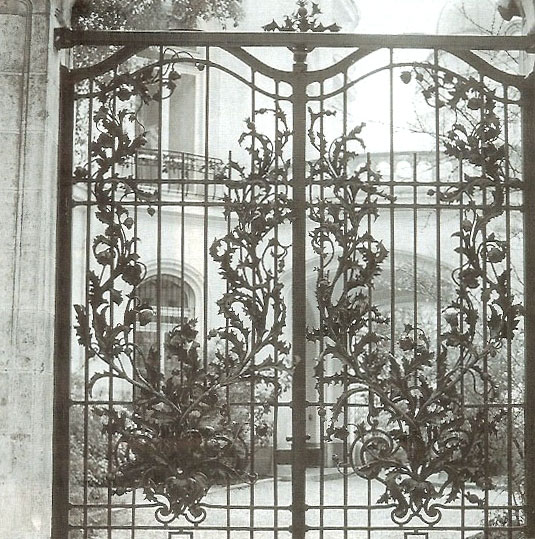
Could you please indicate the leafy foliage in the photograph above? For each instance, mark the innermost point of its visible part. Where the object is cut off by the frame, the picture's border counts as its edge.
(150, 14)
(417, 424)
(144, 15)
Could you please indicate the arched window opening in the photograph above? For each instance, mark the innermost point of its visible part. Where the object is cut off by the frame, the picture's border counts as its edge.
(176, 297)
(174, 304)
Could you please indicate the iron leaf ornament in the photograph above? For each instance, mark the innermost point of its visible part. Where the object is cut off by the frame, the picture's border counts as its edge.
(180, 435)
(304, 19)
(417, 437)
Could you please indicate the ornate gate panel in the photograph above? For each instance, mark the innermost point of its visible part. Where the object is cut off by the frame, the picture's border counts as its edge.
(297, 291)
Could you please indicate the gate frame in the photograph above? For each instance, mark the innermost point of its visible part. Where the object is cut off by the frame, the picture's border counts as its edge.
(299, 78)
(63, 316)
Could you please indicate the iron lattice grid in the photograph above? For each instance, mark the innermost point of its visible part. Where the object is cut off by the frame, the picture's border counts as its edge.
(306, 507)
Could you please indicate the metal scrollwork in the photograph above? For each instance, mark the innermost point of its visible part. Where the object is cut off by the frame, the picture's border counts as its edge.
(179, 436)
(418, 438)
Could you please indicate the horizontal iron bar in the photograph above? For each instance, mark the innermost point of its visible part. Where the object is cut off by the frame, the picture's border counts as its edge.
(154, 182)
(442, 506)
(395, 205)
(257, 507)
(129, 527)
(393, 528)
(490, 405)
(66, 38)
(81, 403)
(283, 508)
(272, 529)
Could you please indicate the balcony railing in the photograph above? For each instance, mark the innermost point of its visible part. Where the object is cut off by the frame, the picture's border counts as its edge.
(193, 176)
(181, 173)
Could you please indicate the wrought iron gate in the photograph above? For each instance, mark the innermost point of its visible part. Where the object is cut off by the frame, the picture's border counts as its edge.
(309, 329)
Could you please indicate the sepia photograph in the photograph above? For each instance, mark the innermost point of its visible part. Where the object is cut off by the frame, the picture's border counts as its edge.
(267, 269)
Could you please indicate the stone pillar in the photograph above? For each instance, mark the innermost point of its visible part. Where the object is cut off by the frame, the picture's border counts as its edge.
(29, 75)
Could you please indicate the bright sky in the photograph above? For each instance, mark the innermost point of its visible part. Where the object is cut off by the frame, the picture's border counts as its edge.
(376, 16)
(399, 16)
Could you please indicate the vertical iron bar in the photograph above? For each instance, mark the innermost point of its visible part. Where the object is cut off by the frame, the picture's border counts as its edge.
(253, 332)
(486, 339)
(299, 102)
(321, 365)
(110, 403)
(275, 434)
(415, 255)
(135, 334)
(369, 226)
(528, 163)
(392, 206)
(347, 344)
(510, 469)
(159, 160)
(415, 241)
(182, 239)
(87, 292)
(462, 352)
(183, 190)
(438, 216)
(228, 218)
(206, 216)
(62, 330)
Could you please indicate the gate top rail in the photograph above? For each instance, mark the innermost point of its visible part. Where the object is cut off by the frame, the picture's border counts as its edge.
(67, 38)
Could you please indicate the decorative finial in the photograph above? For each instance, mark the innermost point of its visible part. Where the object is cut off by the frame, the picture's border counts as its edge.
(302, 20)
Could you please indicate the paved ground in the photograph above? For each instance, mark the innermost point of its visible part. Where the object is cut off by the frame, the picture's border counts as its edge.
(269, 493)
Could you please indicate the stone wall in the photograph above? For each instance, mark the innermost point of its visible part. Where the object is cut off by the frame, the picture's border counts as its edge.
(28, 155)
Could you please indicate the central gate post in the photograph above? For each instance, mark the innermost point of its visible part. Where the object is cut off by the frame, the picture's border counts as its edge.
(299, 102)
